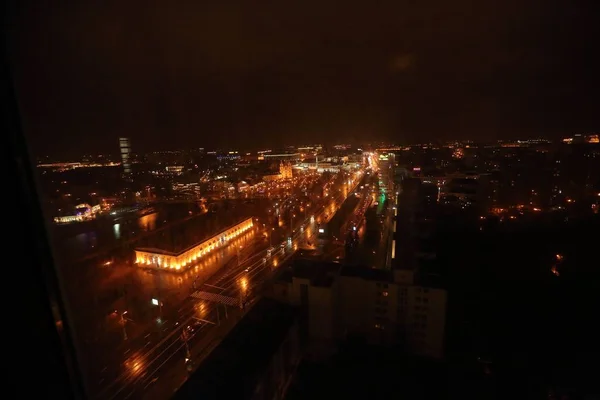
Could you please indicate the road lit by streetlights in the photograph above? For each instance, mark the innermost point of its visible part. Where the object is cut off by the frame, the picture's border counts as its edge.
(243, 283)
(135, 366)
(200, 309)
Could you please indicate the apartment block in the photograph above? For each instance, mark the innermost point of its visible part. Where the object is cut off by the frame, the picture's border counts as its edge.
(337, 301)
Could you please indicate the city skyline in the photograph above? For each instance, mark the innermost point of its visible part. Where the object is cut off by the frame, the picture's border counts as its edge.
(304, 200)
(213, 74)
(113, 156)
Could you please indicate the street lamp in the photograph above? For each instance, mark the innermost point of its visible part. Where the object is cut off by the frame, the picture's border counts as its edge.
(123, 322)
(157, 302)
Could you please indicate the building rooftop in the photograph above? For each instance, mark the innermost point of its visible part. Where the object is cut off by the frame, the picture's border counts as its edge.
(320, 273)
(285, 275)
(190, 233)
(234, 368)
(324, 281)
(430, 274)
(370, 274)
(158, 251)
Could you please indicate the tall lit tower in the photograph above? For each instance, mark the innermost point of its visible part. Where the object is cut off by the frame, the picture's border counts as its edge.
(125, 154)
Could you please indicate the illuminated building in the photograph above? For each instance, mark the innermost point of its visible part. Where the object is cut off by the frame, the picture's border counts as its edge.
(83, 212)
(321, 167)
(125, 155)
(69, 166)
(67, 219)
(174, 169)
(459, 153)
(285, 170)
(387, 164)
(342, 146)
(162, 259)
(579, 138)
(282, 156)
(231, 155)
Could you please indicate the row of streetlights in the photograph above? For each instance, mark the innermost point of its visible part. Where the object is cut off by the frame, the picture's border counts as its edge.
(188, 361)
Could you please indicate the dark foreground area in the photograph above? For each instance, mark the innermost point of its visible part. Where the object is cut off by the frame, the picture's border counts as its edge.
(360, 371)
(522, 321)
(524, 300)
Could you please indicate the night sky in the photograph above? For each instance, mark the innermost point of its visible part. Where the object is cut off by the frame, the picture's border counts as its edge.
(177, 74)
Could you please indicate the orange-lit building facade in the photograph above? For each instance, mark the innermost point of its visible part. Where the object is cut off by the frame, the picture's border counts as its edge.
(179, 262)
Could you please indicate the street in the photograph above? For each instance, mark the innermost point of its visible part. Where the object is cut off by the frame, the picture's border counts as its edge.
(206, 306)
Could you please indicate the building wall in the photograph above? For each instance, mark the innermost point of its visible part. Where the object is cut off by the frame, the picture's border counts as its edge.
(367, 308)
(295, 288)
(320, 312)
(388, 313)
(318, 306)
(280, 291)
(424, 320)
(318, 302)
(280, 371)
(382, 312)
(404, 276)
(353, 306)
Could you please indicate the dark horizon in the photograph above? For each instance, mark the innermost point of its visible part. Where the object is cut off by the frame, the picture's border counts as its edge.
(214, 75)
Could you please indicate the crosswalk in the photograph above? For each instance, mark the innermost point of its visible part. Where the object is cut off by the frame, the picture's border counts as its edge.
(217, 298)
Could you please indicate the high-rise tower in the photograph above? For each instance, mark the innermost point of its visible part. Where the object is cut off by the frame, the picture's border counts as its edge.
(125, 155)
